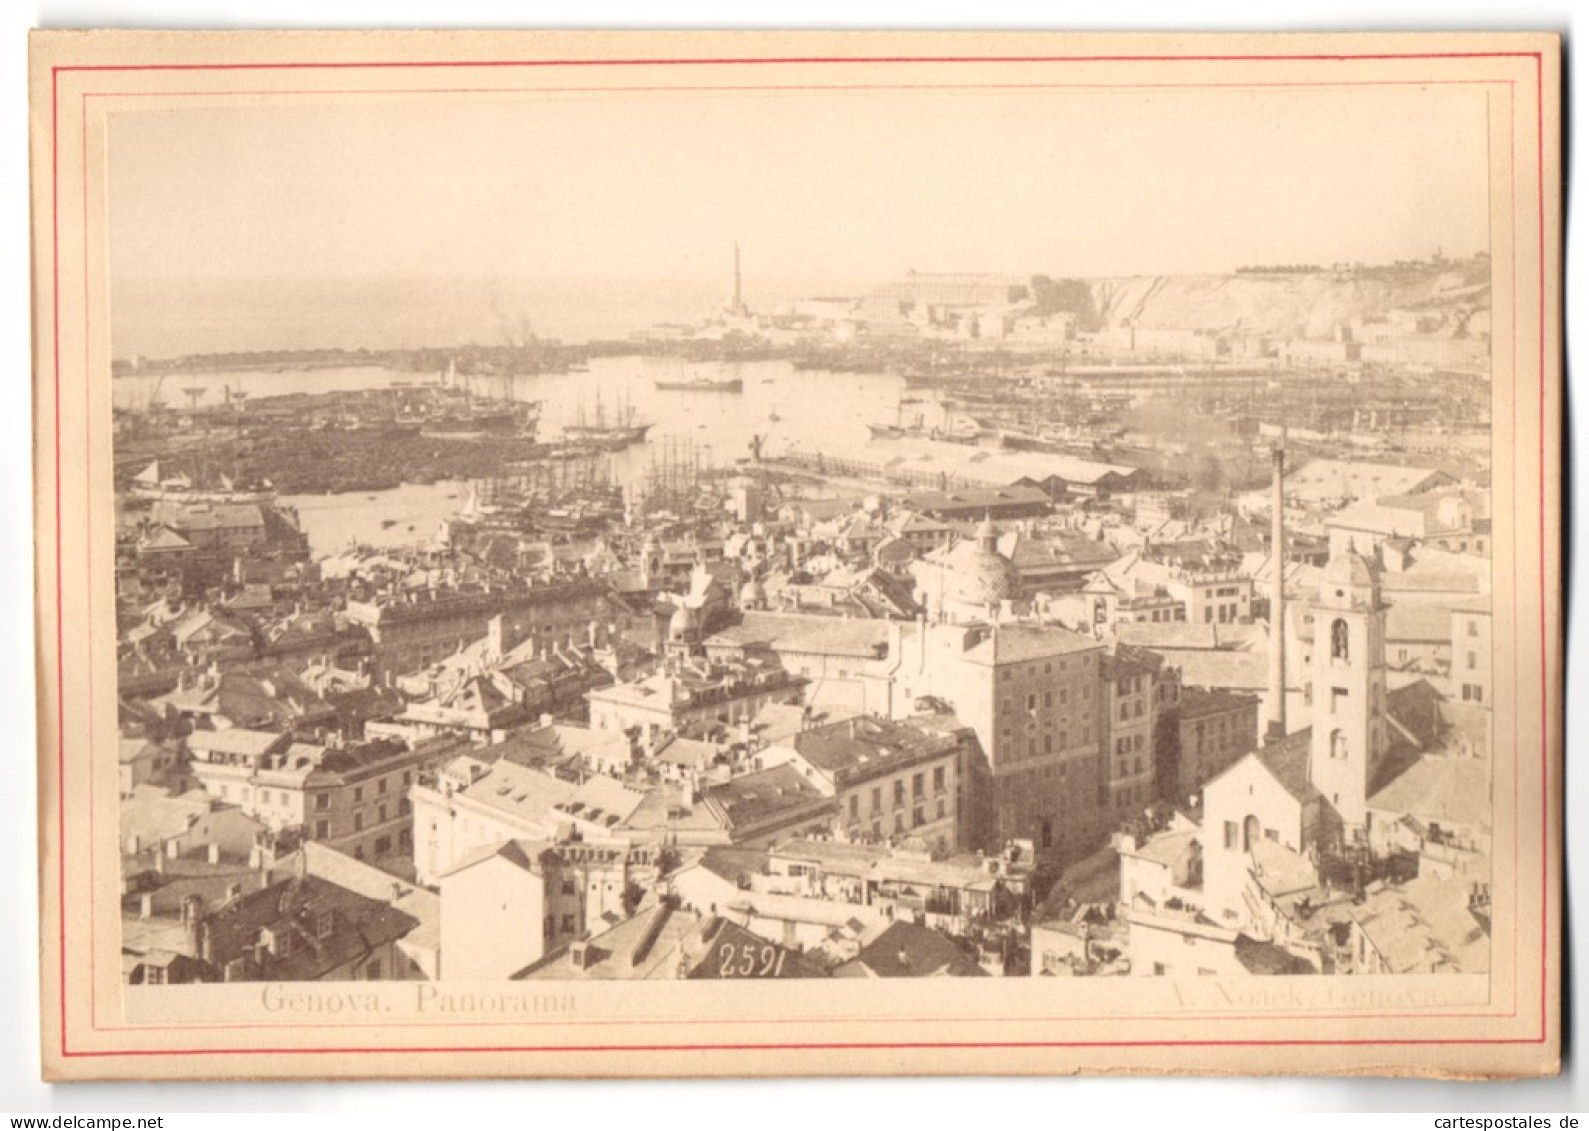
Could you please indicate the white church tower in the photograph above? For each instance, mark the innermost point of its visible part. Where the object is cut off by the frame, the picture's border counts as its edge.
(1349, 728)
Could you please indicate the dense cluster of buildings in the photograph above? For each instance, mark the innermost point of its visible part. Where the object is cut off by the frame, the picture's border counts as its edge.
(976, 732)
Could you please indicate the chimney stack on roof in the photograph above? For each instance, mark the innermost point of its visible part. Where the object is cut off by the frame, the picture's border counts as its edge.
(1276, 707)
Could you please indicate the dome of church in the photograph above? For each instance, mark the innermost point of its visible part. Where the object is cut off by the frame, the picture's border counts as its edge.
(683, 623)
(976, 574)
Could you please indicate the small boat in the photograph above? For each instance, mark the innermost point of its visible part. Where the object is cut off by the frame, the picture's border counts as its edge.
(388, 523)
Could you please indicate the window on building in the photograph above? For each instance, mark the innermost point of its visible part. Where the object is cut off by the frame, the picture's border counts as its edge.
(380, 815)
(939, 777)
(899, 791)
(322, 829)
(1473, 661)
(918, 817)
(1473, 628)
(568, 924)
(1337, 744)
(855, 807)
(358, 822)
(1232, 834)
(1337, 700)
(358, 794)
(877, 798)
(1340, 642)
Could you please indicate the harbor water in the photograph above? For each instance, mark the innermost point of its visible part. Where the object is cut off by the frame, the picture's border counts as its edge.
(804, 410)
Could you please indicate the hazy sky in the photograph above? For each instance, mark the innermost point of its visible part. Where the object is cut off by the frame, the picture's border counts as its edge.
(582, 216)
(1061, 182)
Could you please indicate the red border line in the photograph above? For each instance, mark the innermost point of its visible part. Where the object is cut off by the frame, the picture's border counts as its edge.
(88, 589)
(1315, 84)
(1229, 1017)
(61, 745)
(798, 61)
(1544, 607)
(60, 604)
(817, 1046)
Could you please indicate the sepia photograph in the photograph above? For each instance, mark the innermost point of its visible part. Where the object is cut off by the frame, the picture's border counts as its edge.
(914, 508)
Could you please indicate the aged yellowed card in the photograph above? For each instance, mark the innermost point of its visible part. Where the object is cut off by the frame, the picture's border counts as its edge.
(742, 554)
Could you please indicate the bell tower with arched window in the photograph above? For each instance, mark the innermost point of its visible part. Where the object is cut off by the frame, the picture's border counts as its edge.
(1349, 730)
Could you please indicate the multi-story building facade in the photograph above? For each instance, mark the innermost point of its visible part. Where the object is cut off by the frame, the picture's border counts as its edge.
(1216, 728)
(353, 798)
(413, 630)
(510, 904)
(1470, 652)
(670, 701)
(892, 780)
(1030, 695)
(467, 806)
(1136, 693)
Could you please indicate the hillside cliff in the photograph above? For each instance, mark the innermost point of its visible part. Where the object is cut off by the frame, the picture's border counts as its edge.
(1279, 303)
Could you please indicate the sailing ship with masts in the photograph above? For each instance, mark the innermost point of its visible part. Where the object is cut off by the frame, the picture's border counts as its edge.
(608, 435)
(159, 484)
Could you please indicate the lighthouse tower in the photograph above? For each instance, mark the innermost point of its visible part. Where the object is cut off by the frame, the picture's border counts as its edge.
(736, 306)
(1349, 730)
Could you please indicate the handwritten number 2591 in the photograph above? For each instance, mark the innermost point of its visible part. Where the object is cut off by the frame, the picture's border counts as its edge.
(749, 961)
